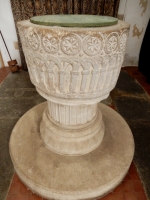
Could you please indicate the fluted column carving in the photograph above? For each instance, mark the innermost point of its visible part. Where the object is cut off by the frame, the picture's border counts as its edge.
(71, 115)
(74, 69)
(72, 130)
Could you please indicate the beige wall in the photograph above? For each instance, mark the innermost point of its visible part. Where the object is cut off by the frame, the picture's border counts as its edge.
(137, 13)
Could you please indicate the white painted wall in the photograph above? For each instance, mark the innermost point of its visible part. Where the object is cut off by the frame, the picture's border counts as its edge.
(137, 14)
(8, 30)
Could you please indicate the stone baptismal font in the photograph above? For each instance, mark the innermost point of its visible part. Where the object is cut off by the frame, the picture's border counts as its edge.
(72, 147)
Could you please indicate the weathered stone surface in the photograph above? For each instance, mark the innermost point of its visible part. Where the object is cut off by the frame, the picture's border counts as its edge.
(17, 95)
(137, 108)
(17, 80)
(73, 68)
(129, 85)
(75, 64)
(14, 104)
(6, 167)
(71, 177)
(141, 133)
(74, 20)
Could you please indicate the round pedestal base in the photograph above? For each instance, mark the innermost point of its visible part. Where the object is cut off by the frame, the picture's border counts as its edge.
(55, 176)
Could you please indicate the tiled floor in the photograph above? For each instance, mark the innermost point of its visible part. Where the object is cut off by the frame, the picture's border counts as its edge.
(130, 189)
(3, 73)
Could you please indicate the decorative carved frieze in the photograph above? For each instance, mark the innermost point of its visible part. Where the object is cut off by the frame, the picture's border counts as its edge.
(73, 64)
(73, 68)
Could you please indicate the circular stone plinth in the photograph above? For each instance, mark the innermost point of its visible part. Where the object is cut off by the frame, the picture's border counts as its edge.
(54, 176)
(74, 20)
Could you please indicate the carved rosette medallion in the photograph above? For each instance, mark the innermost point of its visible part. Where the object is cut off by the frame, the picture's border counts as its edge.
(92, 45)
(70, 44)
(33, 39)
(72, 63)
(111, 43)
(50, 43)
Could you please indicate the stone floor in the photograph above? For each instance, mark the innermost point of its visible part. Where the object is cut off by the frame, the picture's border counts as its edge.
(17, 95)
